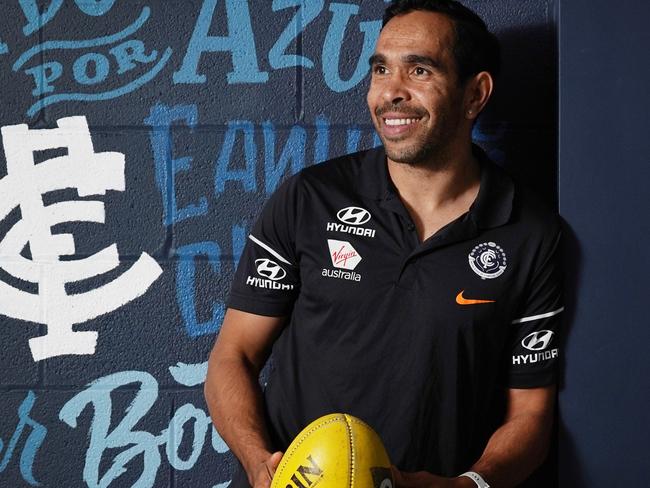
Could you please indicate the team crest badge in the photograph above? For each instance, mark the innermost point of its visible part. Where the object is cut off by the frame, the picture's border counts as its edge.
(488, 260)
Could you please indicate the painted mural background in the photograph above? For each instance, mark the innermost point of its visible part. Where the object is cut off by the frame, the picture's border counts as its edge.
(139, 140)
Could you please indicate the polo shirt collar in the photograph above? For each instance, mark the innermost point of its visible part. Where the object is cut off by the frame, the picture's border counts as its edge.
(493, 204)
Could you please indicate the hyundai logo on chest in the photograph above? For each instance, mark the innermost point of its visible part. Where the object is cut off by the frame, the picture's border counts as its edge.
(352, 218)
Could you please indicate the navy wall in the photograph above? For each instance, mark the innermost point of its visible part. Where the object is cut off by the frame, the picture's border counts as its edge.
(140, 139)
(604, 199)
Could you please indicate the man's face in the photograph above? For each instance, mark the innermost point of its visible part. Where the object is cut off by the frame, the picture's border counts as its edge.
(414, 98)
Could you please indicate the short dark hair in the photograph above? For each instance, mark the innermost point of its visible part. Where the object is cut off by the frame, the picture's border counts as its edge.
(475, 49)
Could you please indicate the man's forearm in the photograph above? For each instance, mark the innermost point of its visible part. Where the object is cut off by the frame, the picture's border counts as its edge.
(515, 450)
(234, 400)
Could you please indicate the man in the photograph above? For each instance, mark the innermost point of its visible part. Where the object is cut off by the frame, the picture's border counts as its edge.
(413, 286)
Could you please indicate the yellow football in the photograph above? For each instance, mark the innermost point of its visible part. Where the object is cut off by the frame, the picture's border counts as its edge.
(335, 451)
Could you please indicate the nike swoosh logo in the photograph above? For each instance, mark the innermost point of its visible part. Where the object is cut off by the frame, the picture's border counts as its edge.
(461, 300)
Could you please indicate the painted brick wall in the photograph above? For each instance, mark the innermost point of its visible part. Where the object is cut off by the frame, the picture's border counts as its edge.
(172, 122)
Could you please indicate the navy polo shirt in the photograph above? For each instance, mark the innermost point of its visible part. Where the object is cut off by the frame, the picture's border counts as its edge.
(418, 339)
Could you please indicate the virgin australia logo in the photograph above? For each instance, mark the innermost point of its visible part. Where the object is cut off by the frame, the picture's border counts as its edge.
(90, 173)
(343, 254)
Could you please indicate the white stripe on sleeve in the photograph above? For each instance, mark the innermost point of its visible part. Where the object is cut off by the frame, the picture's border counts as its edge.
(537, 317)
(268, 248)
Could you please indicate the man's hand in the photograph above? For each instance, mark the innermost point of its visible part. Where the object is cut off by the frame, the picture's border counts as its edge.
(266, 470)
(422, 479)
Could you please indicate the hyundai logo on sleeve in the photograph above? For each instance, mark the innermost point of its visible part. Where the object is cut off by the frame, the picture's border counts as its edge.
(270, 269)
(271, 273)
(537, 341)
(352, 217)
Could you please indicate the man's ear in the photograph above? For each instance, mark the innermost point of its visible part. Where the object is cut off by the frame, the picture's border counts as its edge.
(478, 90)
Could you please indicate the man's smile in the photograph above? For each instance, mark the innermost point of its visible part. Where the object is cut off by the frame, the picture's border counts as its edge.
(396, 122)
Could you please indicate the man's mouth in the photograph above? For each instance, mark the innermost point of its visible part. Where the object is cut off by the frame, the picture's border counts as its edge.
(393, 122)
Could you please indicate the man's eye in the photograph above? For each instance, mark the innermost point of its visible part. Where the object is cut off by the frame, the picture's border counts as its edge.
(420, 71)
(380, 70)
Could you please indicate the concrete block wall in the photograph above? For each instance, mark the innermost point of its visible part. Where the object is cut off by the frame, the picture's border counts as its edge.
(196, 110)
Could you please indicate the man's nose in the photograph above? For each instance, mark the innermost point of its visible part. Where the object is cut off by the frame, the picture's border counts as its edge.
(395, 89)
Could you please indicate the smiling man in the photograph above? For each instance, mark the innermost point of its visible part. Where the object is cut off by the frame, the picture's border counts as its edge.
(415, 285)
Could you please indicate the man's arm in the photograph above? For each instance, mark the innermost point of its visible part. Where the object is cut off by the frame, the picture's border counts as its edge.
(232, 389)
(513, 452)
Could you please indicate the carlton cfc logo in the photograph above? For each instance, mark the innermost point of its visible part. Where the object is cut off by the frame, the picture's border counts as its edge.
(488, 260)
(270, 269)
(353, 215)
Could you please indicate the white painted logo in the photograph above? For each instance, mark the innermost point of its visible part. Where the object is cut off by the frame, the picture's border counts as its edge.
(353, 215)
(343, 254)
(352, 218)
(270, 269)
(89, 173)
(488, 260)
(537, 341)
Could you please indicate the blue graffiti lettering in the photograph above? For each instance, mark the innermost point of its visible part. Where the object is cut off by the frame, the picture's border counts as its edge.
(246, 175)
(36, 20)
(278, 163)
(101, 67)
(342, 12)
(185, 287)
(189, 374)
(176, 431)
(108, 95)
(353, 139)
(161, 117)
(322, 145)
(32, 444)
(95, 8)
(239, 42)
(43, 75)
(4, 49)
(130, 52)
(239, 234)
(136, 443)
(85, 44)
(307, 11)
(186, 281)
(143, 443)
(93, 68)
(293, 151)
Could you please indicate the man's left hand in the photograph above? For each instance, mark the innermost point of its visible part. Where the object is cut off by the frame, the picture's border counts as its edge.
(423, 479)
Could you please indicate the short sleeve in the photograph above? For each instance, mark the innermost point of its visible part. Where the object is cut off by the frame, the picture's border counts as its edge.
(534, 351)
(267, 279)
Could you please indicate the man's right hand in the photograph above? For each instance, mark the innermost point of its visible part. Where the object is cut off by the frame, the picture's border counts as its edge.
(266, 471)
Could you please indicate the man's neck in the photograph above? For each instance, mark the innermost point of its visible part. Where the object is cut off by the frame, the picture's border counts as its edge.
(438, 183)
(438, 192)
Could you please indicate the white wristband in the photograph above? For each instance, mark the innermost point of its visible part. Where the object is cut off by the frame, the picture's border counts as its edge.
(476, 478)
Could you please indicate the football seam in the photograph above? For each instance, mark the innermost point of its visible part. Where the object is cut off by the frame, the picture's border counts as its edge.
(303, 437)
(348, 425)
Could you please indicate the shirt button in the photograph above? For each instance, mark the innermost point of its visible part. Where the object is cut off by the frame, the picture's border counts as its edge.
(410, 227)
